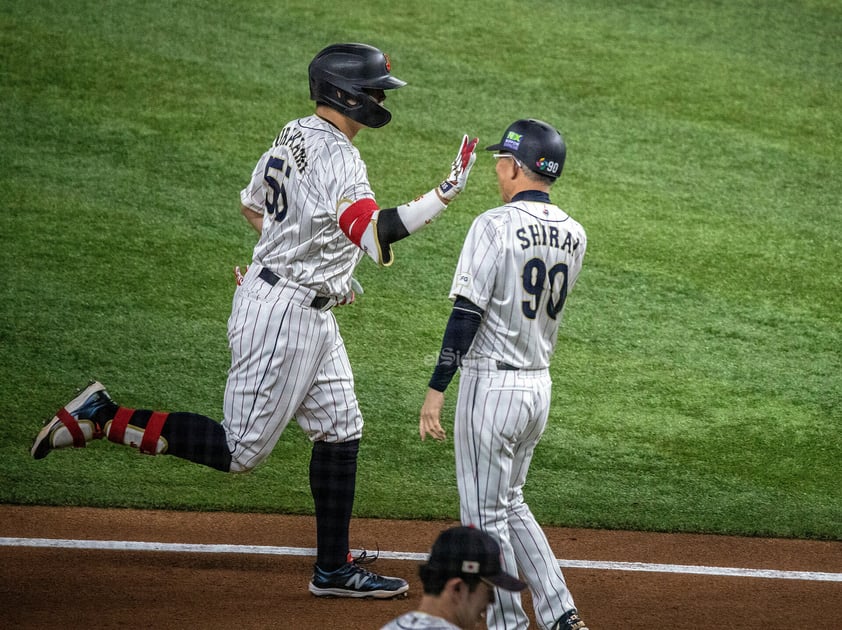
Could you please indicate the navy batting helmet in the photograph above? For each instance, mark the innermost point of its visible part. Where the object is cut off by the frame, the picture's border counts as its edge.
(536, 144)
(347, 77)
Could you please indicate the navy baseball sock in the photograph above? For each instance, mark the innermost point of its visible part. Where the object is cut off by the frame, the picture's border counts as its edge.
(197, 438)
(333, 480)
(187, 435)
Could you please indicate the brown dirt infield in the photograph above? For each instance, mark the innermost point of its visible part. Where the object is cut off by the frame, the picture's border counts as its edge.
(77, 588)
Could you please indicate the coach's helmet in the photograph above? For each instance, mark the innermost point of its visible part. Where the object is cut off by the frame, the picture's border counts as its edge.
(351, 78)
(536, 144)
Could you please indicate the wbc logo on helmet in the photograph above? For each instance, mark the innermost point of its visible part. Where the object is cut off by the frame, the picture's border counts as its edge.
(547, 166)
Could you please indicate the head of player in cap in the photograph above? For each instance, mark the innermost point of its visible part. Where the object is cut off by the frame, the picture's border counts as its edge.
(470, 554)
(352, 79)
(536, 144)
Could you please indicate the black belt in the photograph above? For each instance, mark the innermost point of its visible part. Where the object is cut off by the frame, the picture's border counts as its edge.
(269, 277)
(506, 366)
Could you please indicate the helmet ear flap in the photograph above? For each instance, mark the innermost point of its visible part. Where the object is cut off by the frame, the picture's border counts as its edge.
(360, 106)
(342, 97)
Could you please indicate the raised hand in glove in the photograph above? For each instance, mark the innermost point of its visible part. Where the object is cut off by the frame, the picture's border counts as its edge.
(389, 225)
(459, 171)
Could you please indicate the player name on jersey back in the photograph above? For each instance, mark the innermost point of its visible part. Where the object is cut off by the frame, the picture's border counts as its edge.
(539, 234)
(292, 138)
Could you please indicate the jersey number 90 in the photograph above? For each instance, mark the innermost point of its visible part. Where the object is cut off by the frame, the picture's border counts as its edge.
(275, 175)
(537, 279)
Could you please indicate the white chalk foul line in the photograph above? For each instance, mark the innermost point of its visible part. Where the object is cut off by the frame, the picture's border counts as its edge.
(128, 545)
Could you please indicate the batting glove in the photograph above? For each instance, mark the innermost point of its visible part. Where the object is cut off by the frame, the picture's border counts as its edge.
(422, 210)
(239, 275)
(351, 296)
(459, 171)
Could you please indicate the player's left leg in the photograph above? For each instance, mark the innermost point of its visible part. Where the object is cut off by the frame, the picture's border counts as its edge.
(551, 598)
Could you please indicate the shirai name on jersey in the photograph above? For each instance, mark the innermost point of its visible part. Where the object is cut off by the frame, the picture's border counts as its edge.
(540, 235)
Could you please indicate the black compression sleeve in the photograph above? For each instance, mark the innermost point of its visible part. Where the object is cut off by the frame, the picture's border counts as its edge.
(389, 229)
(459, 334)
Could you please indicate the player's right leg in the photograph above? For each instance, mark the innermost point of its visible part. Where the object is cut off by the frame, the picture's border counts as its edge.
(92, 415)
(330, 415)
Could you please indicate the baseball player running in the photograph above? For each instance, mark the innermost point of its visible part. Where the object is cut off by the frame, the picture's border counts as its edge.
(517, 266)
(310, 198)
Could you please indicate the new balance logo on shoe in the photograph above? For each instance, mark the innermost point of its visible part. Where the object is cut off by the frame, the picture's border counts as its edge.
(357, 581)
(73, 425)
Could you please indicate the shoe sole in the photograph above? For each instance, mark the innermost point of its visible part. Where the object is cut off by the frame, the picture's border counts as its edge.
(49, 425)
(344, 592)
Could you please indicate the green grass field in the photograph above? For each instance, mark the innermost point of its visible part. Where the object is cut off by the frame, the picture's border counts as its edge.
(698, 378)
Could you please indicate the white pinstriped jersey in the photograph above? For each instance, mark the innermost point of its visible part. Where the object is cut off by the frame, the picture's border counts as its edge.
(288, 359)
(518, 263)
(297, 185)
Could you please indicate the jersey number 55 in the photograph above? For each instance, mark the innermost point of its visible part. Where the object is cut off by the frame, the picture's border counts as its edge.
(274, 175)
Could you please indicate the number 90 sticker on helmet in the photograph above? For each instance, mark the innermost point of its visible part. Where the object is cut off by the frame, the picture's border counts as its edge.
(315, 215)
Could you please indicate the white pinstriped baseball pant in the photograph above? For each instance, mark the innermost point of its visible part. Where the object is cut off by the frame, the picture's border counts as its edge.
(287, 360)
(500, 418)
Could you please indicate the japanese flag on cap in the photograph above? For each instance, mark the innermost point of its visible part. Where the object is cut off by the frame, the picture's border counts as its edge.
(467, 551)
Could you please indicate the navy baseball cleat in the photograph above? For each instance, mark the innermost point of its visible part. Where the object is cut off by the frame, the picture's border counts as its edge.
(73, 424)
(570, 621)
(351, 580)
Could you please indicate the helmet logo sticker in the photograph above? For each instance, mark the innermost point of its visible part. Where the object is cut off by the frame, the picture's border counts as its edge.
(388, 63)
(549, 166)
(512, 140)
